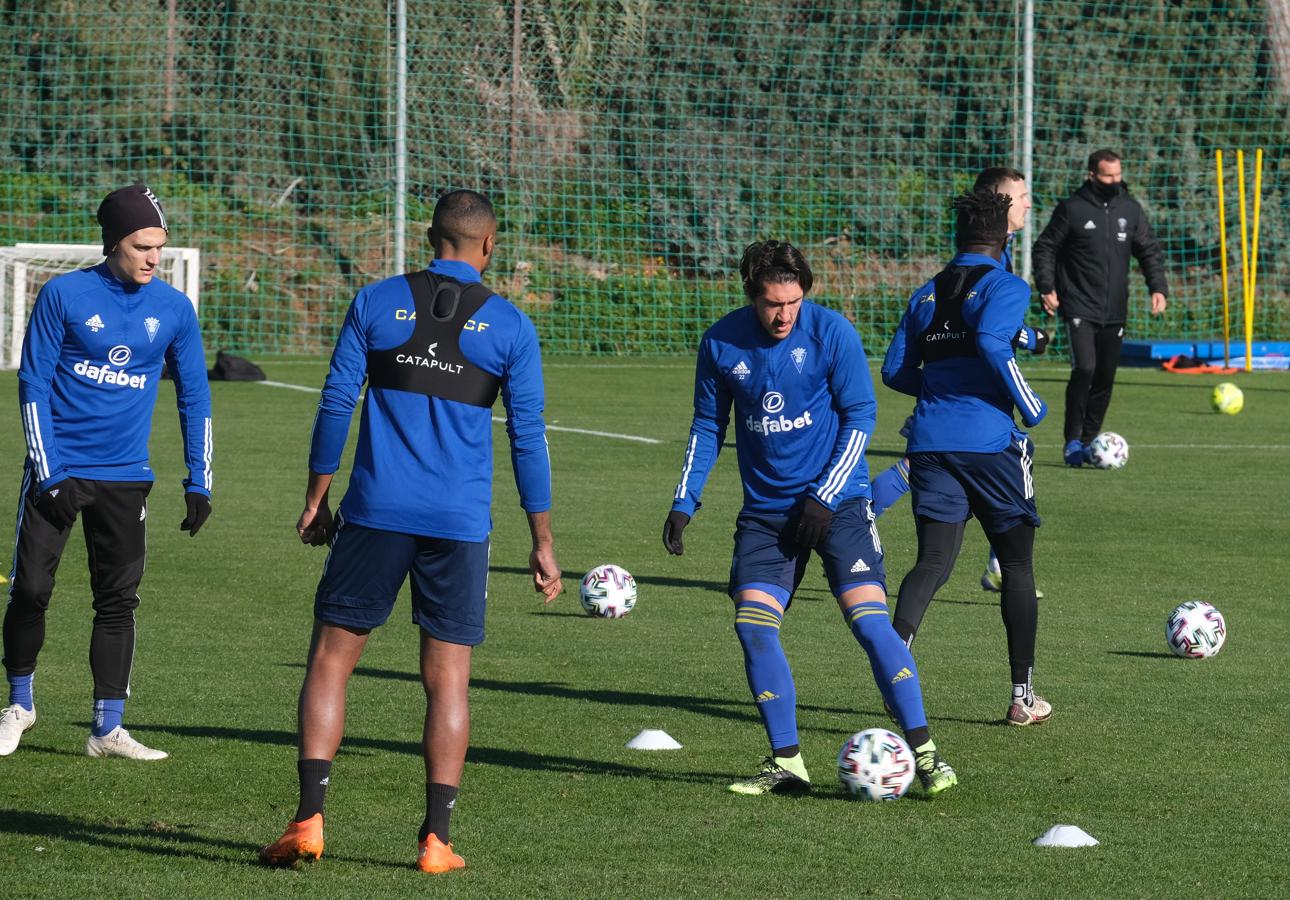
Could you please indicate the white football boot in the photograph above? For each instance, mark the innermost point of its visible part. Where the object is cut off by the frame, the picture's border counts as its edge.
(14, 720)
(118, 742)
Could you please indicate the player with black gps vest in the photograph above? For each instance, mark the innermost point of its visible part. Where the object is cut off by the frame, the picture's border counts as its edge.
(92, 359)
(954, 352)
(435, 347)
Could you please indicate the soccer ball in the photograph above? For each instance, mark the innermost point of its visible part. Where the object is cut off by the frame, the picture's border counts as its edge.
(608, 591)
(1227, 398)
(1195, 630)
(1108, 451)
(876, 764)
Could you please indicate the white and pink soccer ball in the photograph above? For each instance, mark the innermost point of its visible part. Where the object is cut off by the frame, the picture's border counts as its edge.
(608, 591)
(1108, 451)
(1195, 630)
(876, 764)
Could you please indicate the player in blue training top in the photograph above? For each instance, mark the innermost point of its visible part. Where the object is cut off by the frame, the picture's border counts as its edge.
(92, 358)
(435, 348)
(804, 406)
(953, 350)
(893, 483)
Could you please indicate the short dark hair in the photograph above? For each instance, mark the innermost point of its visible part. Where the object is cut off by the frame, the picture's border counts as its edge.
(981, 218)
(1097, 157)
(461, 216)
(773, 262)
(996, 175)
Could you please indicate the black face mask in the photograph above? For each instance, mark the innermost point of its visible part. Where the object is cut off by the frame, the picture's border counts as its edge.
(1105, 192)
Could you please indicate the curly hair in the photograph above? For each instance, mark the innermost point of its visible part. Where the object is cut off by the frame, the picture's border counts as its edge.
(773, 262)
(981, 218)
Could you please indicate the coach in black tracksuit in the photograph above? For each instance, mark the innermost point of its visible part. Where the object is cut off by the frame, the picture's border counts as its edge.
(1082, 273)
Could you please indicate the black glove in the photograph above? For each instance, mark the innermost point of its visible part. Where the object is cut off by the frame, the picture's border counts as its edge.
(672, 528)
(57, 506)
(1038, 345)
(199, 510)
(813, 522)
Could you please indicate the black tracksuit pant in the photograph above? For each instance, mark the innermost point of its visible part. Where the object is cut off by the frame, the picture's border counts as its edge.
(1095, 356)
(112, 517)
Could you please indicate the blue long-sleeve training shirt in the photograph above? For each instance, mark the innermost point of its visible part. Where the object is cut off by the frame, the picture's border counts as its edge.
(804, 410)
(965, 402)
(91, 362)
(424, 465)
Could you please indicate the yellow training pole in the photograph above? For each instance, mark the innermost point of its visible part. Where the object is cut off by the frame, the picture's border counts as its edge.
(1245, 247)
(1254, 261)
(1222, 246)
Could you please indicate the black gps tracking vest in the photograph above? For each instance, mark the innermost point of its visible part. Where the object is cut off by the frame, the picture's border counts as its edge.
(949, 336)
(431, 362)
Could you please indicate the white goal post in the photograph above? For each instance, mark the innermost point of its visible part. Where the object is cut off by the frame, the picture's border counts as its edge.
(24, 269)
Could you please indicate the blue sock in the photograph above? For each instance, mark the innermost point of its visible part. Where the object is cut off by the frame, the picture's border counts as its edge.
(107, 716)
(769, 677)
(20, 690)
(892, 663)
(889, 487)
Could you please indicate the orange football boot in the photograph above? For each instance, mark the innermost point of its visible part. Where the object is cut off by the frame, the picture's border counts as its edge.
(436, 857)
(301, 842)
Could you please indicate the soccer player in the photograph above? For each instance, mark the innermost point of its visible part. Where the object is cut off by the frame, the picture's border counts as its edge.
(435, 348)
(91, 361)
(953, 350)
(892, 484)
(797, 378)
(1082, 273)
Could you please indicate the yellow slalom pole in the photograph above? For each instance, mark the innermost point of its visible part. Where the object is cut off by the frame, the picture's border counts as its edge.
(1222, 246)
(1245, 247)
(1254, 261)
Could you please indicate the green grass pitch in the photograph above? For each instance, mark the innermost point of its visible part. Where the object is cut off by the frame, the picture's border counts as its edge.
(1176, 766)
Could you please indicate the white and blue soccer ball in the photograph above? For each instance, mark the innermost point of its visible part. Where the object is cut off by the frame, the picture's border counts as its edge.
(1195, 630)
(608, 591)
(876, 764)
(1108, 451)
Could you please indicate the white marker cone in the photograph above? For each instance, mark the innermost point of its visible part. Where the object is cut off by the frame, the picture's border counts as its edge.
(1066, 836)
(653, 739)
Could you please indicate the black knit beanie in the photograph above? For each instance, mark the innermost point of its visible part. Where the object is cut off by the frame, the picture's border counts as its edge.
(125, 211)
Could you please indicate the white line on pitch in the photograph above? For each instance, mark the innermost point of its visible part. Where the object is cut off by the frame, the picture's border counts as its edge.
(1211, 446)
(606, 434)
(290, 387)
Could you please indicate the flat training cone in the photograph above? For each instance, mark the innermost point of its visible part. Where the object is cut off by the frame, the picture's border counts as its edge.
(1066, 836)
(653, 739)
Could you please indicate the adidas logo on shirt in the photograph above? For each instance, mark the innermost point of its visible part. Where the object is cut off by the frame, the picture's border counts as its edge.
(741, 370)
(1089, 226)
(859, 566)
(94, 323)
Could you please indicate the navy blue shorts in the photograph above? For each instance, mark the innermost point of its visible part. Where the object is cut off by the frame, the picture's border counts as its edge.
(366, 568)
(997, 488)
(767, 559)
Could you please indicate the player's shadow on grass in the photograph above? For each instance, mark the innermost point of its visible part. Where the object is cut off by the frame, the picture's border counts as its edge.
(156, 838)
(653, 580)
(1143, 654)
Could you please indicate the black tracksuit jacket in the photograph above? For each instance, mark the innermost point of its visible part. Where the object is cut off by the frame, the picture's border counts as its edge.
(1084, 252)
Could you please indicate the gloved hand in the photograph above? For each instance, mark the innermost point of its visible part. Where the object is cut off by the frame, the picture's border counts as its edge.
(1033, 339)
(672, 528)
(57, 506)
(813, 522)
(199, 510)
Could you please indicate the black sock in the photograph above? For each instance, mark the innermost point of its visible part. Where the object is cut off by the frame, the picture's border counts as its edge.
(314, 777)
(785, 752)
(440, 799)
(916, 737)
(1017, 603)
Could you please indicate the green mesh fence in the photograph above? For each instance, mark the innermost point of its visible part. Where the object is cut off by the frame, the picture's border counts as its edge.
(632, 147)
